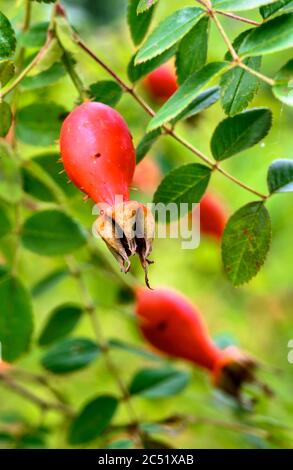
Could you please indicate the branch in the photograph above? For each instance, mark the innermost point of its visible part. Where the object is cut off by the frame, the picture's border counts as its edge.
(237, 17)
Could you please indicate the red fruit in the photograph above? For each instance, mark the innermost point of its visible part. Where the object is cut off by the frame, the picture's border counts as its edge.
(147, 176)
(213, 216)
(98, 152)
(175, 327)
(99, 158)
(161, 84)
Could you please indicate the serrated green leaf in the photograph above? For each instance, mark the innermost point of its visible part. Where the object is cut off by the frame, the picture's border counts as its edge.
(61, 322)
(238, 133)
(183, 185)
(10, 176)
(283, 90)
(39, 124)
(145, 5)
(192, 50)
(7, 38)
(135, 72)
(238, 86)
(5, 118)
(106, 91)
(273, 36)
(281, 6)
(7, 70)
(169, 32)
(186, 94)
(201, 102)
(156, 383)
(35, 36)
(138, 24)
(5, 223)
(52, 233)
(49, 281)
(94, 418)
(246, 242)
(280, 176)
(239, 5)
(70, 355)
(146, 143)
(46, 78)
(16, 319)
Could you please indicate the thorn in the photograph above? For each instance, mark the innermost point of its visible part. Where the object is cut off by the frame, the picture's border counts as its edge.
(59, 160)
(86, 198)
(60, 172)
(68, 182)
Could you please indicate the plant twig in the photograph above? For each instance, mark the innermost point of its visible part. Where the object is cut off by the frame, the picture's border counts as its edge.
(90, 308)
(262, 77)
(237, 17)
(168, 131)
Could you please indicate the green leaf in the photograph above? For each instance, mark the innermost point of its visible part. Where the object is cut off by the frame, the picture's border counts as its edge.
(35, 187)
(135, 72)
(39, 124)
(192, 50)
(273, 36)
(238, 5)
(138, 24)
(201, 102)
(7, 70)
(238, 133)
(238, 87)
(246, 242)
(145, 5)
(121, 444)
(44, 1)
(156, 383)
(280, 176)
(283, 90)
(94, 418)
(5, 118)
(133, 349)
(44, 79)
(10, 176)
(106, 91)
(186, 94)
(52, 233)
(49, 281)
(146, 143)
(169, 32)
(61, 322)
(183, 185)
(281, 6)
(7, 38)
(16, 319)
(52, 55)
(34, 36)
(5, 223)
(70, 355)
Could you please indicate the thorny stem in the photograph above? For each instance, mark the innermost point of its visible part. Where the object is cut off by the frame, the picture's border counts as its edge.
(90, 308)
(11, 383)
(167, 130)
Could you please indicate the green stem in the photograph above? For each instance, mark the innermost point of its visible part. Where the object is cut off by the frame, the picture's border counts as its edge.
(73, 75)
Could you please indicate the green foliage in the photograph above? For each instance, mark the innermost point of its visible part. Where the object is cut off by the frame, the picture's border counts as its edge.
(39, 124)
(35, 36)
(94, 418)
(5, 223)
(16, 319)
(273, 36)
(49, 281)
(106, 91)
(10, 177)
(192, 50)
(238, 5)
(280, 176)
(5, 118)
(70, 355)
(137, 71)
(157, 383)
(238, 133)
(7, 38)
(138, 24)
(186, 184)
(144, 5)
(246, 242)
(283, 90)
(52, 233)
(146, 143)
(186, 94)
(169, 32)
(203, 101)
(7, 70)
(61, 323)
(280, 6)
(46, 78)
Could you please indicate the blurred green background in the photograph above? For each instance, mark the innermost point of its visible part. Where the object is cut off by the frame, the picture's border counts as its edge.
(257, 317)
